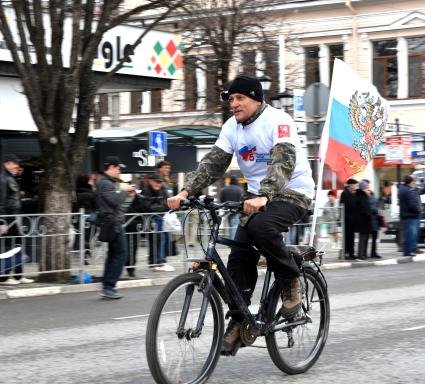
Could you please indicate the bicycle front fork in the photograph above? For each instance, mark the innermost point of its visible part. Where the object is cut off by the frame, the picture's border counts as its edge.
(205, 287)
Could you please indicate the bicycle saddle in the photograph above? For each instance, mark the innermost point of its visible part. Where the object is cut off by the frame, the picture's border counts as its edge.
(302, 252)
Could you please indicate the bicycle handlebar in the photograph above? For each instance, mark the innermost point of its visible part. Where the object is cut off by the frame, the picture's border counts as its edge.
(208, 203)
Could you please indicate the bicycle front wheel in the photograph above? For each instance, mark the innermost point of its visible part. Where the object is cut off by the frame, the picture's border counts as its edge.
(295, 350)
(174, 353)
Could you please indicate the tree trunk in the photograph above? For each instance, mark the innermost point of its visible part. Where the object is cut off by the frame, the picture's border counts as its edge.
(224, 78)
(56, 226)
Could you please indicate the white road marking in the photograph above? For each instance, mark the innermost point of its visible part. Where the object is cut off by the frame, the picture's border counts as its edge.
(146, 315)
(129, 317)
(414, 328)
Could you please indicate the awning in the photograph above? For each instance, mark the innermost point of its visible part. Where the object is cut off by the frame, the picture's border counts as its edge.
(177, 135)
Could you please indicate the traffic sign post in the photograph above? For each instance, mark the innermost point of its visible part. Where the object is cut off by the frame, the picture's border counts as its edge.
(399, 149)
(157, 143)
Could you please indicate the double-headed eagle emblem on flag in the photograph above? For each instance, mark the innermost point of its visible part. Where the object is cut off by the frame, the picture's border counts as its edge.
(368, 118)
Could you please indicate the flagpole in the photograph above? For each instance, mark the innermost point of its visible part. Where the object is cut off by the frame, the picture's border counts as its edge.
(316, 205)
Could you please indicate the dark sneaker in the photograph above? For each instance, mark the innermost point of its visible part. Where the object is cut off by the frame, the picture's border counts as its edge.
(291, 297)
(231, 341)
(110, 294)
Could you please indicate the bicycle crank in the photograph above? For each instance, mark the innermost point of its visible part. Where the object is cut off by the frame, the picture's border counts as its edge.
(247, 334)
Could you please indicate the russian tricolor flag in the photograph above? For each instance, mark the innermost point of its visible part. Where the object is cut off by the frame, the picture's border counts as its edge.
(355, 123)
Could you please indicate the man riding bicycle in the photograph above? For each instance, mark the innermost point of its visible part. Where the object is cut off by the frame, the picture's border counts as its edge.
(280, 189)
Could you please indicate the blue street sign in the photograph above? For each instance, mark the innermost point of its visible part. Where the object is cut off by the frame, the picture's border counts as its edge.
(157, 143)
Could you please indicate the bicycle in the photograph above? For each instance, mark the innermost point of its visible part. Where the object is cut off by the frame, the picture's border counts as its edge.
(186, 324)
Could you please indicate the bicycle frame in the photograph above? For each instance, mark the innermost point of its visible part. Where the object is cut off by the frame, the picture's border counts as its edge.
(256, 322)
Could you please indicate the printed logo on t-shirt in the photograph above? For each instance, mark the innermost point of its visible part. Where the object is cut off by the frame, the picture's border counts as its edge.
(283, 130)
(263, 158)
(247, 153)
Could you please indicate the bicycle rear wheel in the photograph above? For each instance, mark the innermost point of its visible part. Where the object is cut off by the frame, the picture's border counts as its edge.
(174, 354)
(295, 350)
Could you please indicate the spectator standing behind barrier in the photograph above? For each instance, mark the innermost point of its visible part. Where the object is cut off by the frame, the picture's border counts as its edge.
(163, 169)
(232, 192)
(374, 209)
(85, 198)
(111, 216)
(348, 200)
(385, 199)
(10, 204)
(134, 221)
(363, 218)
(421, 186)
(410, 213)
(155, 196)
(331, 217)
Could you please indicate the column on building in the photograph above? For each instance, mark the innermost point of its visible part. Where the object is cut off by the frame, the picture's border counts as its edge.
(300, 57)
(366, 58)
(115, 109)
(260, 63)
(282, 63)
(402, 68)
(324, 64)
(146, 102)
(348, 55)
(236, 64)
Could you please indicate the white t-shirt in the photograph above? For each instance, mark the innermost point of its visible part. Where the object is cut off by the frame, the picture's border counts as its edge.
(252, 144)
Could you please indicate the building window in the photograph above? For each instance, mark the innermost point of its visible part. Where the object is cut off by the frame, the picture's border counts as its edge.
(190, 83)
(103, 104)
(212, 93)
(271, 55)
(156, 101)
(335, 52)
(416, 46)
(312, 74)
(136, 101)
(248, 62)
(385, 76)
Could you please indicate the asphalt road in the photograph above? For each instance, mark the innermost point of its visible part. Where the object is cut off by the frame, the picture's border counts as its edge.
(377, 335)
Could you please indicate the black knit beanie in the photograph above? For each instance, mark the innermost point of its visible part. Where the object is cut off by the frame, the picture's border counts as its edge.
(245, 85)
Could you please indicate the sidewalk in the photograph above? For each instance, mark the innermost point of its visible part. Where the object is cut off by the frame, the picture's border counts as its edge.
(147, 277)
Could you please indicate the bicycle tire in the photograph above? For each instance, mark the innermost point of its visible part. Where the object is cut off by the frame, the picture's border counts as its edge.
(309, 339)
(178, 360)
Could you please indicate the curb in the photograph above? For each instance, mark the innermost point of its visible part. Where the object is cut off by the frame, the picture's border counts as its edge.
(66, 289)
(364, 263)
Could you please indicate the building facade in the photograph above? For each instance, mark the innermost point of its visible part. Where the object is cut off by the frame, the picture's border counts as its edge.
(383, 41)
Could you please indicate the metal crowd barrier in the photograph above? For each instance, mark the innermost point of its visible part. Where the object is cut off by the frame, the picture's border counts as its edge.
(68, 243)
(73, 248)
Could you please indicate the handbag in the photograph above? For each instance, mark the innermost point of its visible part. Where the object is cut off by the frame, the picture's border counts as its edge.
(172, 223)
(381, 221)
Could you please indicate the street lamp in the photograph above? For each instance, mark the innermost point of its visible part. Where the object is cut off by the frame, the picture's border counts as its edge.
(266, 82)
(283, 100)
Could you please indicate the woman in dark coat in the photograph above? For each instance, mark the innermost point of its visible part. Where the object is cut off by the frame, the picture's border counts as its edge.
(363, 218)
(375, 223)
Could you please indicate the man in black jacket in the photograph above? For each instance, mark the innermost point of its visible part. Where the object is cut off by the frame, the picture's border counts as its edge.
(348, 200)
(410, 213)
(10, 204)
(110, 201)
(155, 196)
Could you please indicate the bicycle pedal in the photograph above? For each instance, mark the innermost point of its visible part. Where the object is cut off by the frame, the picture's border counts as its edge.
(235, 349)
(238, 345)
